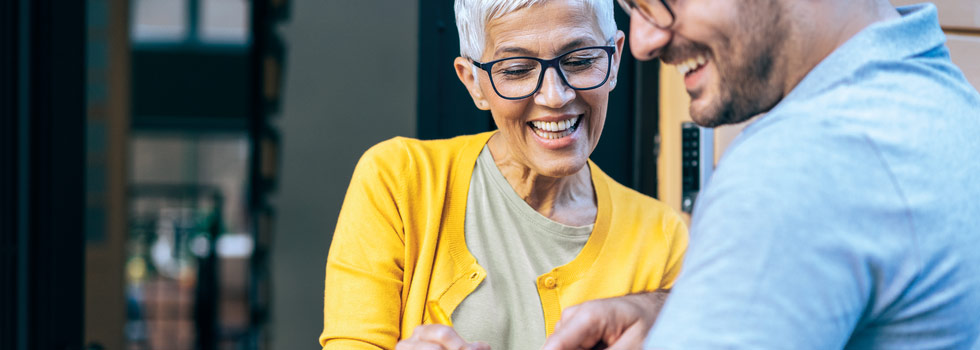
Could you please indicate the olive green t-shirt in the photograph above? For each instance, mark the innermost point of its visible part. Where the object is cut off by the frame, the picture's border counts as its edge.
(515, 244)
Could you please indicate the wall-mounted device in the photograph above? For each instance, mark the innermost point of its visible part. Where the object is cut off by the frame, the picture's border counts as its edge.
(697, 162)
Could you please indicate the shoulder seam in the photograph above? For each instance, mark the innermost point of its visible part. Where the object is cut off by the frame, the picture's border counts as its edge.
(901, 194)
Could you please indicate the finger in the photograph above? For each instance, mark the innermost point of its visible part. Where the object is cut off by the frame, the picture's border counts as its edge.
(632, 338)
(569, 312)
(477, 346)
(582, 329)
(417, 332)
(566, 314)
(412, 344)
(439, 334)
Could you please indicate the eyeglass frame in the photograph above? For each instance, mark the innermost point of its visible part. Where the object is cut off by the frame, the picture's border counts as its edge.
(629, 9)
(545, 64)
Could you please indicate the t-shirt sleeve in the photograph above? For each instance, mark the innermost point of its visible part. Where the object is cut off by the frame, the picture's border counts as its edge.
(780, 257)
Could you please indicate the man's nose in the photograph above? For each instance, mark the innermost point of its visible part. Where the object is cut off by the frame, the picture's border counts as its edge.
(647, 40)
(554, 93)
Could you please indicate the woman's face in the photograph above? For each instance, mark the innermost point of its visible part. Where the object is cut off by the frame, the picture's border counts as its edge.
(553, 131)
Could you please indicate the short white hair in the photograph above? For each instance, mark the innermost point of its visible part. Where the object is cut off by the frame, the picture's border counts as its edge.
(472, 17)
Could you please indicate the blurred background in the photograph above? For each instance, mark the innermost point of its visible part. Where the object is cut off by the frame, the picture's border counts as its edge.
(172, 170)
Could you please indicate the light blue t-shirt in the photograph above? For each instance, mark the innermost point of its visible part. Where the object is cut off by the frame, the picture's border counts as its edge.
(849, 215)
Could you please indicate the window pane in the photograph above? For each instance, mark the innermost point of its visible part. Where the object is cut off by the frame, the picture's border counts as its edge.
(225, 21)
(180, 183)
(159, 20)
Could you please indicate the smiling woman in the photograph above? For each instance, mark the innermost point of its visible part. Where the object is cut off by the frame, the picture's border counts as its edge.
(503, 229)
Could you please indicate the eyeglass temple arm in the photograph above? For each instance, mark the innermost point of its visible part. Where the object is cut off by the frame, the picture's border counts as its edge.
(480, 65)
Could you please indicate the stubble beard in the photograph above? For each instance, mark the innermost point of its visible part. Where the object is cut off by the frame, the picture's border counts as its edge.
(747, 83)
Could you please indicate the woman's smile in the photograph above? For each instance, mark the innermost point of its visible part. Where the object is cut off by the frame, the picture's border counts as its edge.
(555, 132)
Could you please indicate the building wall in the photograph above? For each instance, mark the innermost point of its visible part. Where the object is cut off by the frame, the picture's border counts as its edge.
(350, 82)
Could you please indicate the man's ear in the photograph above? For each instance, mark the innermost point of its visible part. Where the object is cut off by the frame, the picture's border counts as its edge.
(464, 70)
(620, 40)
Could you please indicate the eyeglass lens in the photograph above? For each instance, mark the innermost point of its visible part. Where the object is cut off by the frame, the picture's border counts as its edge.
(582, 69)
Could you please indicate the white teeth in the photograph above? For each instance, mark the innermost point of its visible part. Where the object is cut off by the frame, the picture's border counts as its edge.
(553, 135)
(555, 126)
(554, 130)
(681, 68)
(691, 64)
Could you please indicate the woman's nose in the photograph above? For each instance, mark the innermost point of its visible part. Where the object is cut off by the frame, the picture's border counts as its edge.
(647, 40)
(554, 93)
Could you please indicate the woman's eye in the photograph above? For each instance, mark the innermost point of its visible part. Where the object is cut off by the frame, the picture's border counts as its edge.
(515, 71)
(579, 62)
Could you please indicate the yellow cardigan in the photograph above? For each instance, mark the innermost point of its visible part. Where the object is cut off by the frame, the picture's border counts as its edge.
(399, 242)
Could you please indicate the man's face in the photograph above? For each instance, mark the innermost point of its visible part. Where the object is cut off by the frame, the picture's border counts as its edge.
(728, 50)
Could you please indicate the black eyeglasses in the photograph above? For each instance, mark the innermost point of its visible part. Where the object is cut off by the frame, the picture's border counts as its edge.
(657, 12)
(516, 78)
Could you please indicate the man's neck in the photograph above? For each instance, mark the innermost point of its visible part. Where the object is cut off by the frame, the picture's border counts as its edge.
(830, 25)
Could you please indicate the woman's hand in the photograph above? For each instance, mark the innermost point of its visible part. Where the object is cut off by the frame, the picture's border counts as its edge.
(614, 323)
(437, 337)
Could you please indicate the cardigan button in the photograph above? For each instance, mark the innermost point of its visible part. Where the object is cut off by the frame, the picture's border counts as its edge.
(550, 282)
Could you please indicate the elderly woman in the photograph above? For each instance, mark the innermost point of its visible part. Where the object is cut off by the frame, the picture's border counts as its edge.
(503, 229)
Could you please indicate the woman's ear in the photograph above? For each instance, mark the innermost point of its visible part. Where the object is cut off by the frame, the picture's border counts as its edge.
(620, 40)
(465, 70)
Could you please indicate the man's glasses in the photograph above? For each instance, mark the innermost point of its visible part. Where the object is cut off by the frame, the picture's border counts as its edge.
(515, 78)
(657, 12)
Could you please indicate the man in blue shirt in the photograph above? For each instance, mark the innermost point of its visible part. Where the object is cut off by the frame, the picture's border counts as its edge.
(847, 215)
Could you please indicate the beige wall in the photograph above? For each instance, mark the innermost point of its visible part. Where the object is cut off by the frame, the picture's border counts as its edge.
(674, 111)
(674, 104)
(350, 82)
(961, 21)
(964, 49)
(953, 14)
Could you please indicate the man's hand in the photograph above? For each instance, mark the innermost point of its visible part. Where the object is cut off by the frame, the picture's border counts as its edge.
(437, 337)
(617, 323)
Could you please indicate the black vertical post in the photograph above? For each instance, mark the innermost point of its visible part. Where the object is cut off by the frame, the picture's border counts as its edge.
(43, 128)
(57, 168)
(259, 108)
(257, 113)
(194, 21)
(206, 296)
(647, 127)
(9, 254)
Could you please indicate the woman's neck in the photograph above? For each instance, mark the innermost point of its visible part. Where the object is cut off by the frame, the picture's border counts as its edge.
(568, 200)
